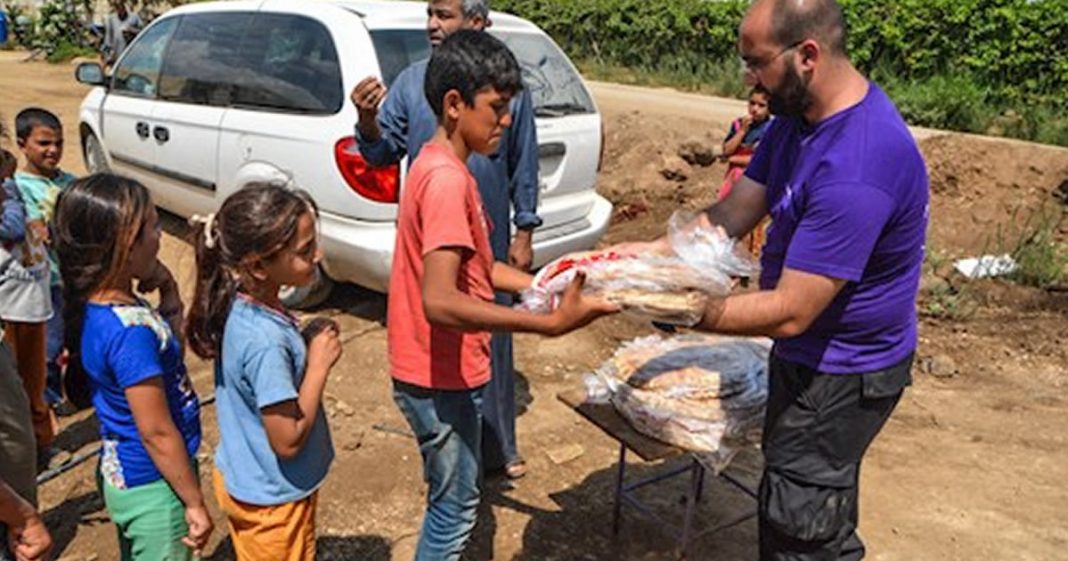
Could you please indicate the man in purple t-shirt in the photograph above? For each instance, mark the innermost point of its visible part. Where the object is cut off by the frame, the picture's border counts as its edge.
(846, 188)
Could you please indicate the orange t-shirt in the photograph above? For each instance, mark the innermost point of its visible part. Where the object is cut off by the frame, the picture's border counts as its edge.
(440, 207)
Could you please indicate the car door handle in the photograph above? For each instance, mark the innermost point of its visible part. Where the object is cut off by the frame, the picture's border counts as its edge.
(142, 129)
(551, 149)
(161, 134)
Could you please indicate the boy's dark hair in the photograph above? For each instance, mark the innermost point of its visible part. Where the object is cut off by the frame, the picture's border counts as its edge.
(32, 117)
(760, 89)
(469, 61)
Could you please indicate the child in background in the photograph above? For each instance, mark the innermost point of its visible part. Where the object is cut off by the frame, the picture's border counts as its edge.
(22, 532)
(274, 443)
(26, 326)
(738, 148)
(441, 293)
(107, 237)
(40, 137)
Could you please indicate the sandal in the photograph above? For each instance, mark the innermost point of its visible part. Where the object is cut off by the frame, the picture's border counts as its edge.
(515, 469)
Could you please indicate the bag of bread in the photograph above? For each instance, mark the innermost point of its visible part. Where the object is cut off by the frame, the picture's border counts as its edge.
(702, 393)
(672, 288)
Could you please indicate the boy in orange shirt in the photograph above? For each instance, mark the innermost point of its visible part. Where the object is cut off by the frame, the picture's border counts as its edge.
(441, 308)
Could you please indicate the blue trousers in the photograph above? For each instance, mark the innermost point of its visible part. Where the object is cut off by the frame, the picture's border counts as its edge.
(448, 428)
(54, 348)
(498, 407)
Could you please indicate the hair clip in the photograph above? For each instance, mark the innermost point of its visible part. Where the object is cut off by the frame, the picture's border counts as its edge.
(208, 224)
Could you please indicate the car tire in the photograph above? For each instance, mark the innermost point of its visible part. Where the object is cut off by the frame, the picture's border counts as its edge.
(95, 159)
(304, 297)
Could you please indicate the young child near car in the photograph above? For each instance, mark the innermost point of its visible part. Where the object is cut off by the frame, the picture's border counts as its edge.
(23, 298)
(25, 330)
(738, 149)
(40, 137)
(274, 442)
(107, 236)
(441, 293)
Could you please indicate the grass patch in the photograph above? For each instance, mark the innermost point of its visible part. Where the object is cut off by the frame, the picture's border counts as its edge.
(943, 295)
(955, 102)
(1040, 259)
(65, 52)
(722, 79)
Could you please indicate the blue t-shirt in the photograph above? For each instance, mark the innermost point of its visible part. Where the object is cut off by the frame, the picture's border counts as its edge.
(262, 363)
(848, 200)
(124, 345)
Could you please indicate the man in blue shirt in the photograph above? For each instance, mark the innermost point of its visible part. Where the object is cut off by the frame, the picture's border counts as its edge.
(506, 179)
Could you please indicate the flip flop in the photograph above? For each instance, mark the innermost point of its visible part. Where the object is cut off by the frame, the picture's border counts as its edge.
(515, 469)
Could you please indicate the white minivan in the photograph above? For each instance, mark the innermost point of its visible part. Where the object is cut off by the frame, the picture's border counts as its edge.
(212, 96)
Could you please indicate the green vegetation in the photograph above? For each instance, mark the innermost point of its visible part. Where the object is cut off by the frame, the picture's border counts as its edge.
(942, 294)
(987, 66)
(1040, 260)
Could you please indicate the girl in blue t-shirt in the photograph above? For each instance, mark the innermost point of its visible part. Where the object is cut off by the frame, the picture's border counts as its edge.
(107, 237)
(274, 449)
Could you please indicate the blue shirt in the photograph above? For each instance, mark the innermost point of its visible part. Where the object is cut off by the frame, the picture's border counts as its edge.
(848, 200)
(505, 179)
(262, 364)
(124, 345)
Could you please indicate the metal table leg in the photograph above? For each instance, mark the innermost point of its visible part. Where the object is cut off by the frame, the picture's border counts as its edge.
(618, 507)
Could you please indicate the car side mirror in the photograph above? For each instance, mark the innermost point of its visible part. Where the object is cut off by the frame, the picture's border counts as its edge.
(90, 73)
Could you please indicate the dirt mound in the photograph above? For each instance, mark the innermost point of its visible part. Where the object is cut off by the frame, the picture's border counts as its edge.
(985, 193)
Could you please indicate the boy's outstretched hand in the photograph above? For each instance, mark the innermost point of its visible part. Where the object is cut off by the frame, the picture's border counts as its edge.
(577, 310)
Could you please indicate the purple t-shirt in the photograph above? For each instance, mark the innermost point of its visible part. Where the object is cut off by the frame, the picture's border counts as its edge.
(848, 200)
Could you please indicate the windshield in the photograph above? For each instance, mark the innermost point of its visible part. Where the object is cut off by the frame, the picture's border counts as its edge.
(555, 87)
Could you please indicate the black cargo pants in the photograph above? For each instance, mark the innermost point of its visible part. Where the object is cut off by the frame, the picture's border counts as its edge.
(816, 431)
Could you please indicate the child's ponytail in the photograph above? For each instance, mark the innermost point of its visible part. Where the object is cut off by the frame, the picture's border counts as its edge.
(214, 293)
(257, 221)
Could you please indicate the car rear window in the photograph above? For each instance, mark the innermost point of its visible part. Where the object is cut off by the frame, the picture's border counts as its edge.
(555, 87)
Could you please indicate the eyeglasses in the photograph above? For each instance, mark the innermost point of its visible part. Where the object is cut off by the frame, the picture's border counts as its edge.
(754, 66)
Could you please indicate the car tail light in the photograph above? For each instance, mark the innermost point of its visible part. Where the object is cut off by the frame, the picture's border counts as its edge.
(377, 184)
(600, 156)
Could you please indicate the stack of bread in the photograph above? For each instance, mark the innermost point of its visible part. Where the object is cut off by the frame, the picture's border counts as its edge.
(702, 393)
(656, 287)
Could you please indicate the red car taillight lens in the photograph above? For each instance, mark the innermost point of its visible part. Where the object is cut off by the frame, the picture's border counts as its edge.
(377, 184)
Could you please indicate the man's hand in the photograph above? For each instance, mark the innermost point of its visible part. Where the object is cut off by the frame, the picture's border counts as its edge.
(521, 252)
(30, 541)
(747, 121)
(367, 96)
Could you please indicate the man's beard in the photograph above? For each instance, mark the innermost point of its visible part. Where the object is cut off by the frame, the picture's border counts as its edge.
(791, 98)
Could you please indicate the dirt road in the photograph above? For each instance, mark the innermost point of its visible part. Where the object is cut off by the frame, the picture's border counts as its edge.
(971, 466)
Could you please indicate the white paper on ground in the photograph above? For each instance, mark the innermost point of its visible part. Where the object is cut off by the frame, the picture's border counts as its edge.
(985, 266)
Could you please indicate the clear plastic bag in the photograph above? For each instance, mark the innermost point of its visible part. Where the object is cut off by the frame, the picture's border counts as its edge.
(703, 393)
(668, 288)
(705, 248)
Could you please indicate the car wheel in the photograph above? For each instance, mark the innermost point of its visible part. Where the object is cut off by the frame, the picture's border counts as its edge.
(95, 159)
(304, 297)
